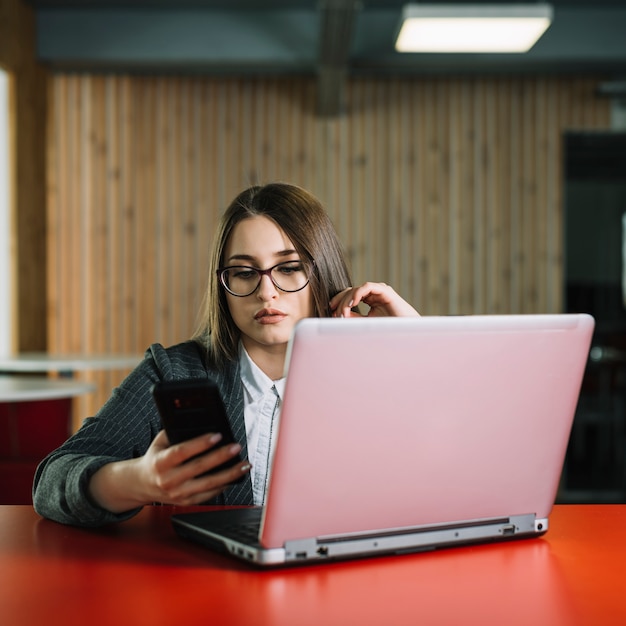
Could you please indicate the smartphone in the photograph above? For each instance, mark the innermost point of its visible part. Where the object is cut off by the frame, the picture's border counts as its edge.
(194, 407)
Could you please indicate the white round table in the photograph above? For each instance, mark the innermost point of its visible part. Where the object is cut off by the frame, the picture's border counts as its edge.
(28, 388)
(33, 362)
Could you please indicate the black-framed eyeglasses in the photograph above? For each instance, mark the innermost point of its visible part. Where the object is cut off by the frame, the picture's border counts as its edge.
(288, 276)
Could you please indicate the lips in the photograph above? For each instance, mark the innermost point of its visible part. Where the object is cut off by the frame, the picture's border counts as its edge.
(270, 316)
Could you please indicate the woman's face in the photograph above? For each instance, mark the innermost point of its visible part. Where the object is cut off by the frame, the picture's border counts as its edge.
(267, 316)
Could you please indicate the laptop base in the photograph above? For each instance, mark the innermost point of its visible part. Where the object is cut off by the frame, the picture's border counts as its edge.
(225, 536)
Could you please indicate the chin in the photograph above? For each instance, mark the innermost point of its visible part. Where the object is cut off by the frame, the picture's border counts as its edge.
(278, 340)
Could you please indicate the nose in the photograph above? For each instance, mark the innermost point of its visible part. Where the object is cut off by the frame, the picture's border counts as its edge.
(267, 289)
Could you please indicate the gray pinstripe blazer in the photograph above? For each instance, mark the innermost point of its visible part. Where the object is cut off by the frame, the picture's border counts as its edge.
(123, 429)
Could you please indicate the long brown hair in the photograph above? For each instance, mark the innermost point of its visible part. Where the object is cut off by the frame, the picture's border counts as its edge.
(303, 219)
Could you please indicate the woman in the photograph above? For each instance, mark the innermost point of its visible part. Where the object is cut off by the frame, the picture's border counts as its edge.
(276, 259)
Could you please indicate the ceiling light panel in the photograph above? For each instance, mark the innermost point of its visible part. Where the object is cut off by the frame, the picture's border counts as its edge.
(472, 28)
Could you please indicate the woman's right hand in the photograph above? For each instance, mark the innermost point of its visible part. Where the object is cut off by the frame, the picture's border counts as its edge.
(167, 474)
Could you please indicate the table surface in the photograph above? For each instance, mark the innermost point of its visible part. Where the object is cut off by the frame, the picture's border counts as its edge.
(27, 388)
(140, 572)
(46, 362)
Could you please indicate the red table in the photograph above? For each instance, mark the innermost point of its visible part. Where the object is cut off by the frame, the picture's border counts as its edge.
(139, 572)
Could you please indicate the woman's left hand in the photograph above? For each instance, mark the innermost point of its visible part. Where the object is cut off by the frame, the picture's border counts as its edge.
(381, 299)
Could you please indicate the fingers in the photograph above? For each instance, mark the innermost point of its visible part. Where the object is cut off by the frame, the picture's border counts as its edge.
(198, 489)
(204, 463)
(372, 294)
(180, 471)
(341, 304)
(381, 299)
(160, 442)
(179, 453)
(206, 487)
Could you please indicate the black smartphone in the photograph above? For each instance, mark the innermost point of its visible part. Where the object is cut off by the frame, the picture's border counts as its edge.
(194, 407)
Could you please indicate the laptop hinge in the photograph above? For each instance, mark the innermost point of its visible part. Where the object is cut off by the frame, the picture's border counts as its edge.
(412, 539)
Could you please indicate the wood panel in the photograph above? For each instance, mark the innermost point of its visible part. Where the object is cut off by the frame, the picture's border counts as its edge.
(449, 189)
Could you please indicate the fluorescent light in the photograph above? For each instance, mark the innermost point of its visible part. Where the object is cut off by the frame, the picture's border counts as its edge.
(472, 28)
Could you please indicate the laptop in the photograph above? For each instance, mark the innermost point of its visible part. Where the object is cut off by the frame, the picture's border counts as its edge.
(399, 435)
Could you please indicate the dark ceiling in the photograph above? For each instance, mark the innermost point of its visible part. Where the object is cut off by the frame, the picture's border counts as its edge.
(332, 39)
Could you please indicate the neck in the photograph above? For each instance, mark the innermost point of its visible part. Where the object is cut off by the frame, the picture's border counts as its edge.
(270, 360)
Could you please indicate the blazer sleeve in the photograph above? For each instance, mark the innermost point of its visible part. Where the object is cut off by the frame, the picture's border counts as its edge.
(122, 429)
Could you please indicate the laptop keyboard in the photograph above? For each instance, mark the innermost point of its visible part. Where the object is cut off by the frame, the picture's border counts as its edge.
(244, 531)
(241, 525)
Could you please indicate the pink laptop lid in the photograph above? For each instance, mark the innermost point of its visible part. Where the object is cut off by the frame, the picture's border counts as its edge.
(391, 423)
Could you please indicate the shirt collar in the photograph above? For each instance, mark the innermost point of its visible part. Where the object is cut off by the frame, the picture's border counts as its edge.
(256, 382)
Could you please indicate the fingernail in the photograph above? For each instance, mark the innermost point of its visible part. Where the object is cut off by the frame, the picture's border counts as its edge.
(234, 448)
(215, 437)
(246, 468)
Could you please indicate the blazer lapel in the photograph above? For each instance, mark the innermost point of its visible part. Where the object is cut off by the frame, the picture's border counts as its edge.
(229, 384)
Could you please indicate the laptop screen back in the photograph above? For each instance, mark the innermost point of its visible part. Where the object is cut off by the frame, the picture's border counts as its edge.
(395, 422)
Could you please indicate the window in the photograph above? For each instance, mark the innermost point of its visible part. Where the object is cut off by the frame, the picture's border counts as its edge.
(6, 286)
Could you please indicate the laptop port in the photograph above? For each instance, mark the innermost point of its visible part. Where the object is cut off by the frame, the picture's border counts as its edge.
(323, 550)
(508, 530)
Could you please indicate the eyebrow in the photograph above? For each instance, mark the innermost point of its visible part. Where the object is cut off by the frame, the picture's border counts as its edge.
(251, 259)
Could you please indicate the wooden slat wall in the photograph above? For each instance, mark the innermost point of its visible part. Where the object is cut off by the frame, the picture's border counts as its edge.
(448, 189)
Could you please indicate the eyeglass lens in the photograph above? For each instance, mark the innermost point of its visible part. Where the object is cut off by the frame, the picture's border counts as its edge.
(288, 276)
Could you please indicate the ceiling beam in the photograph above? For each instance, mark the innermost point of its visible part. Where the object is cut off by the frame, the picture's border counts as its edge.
(331, 42)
